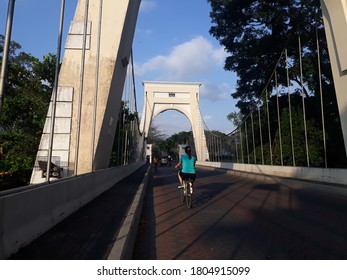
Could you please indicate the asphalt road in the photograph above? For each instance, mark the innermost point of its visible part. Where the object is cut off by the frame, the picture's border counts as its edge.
(241, 218)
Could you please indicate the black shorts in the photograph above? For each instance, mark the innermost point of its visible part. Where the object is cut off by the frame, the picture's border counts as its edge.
(186, 176)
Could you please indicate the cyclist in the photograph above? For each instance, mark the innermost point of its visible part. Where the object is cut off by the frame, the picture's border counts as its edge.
(187, 162)
(155, 163)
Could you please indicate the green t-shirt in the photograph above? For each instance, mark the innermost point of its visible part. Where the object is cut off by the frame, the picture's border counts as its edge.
(188, 165)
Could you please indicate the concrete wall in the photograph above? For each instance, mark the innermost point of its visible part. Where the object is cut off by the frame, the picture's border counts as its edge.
(319, 175)
(28, 212)
(335, 23)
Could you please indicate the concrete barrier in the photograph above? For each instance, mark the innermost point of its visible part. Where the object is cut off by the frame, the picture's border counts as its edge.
(124, 245)
(319, 175)
(28, 212)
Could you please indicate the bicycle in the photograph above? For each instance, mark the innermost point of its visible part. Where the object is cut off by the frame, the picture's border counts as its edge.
(186, 193)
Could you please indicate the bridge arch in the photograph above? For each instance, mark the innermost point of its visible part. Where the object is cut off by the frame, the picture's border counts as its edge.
(171, 107)
(180, 96)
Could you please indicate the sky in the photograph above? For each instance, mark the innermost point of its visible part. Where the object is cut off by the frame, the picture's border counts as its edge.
(171, 43)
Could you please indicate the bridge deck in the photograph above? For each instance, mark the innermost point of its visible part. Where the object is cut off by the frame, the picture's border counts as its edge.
(241, 218)
(233, 217)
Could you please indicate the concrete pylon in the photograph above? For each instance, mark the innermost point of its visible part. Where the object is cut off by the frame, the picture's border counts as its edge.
(90, 86)
(335, 23)
(179, 96)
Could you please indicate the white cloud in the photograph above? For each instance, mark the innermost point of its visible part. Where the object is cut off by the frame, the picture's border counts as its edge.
(145, 32)
(195, 58)
(219, 56)
(207, 117)
(147, 5)
(215, 92)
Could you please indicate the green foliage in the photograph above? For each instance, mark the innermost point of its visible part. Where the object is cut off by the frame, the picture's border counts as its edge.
(162, 143)
(125, 145)
(170, 145)
(17, 158)
(282, 141)
(27, 93)
(255, 34)
(235, 118)
(156, 137)
(314, 137)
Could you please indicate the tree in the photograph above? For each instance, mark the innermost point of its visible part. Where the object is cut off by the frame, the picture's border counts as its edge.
(156, 137)
(27, 93)
(162, 143)
(125, 143)
(255, 34)
(235, 118)
(170, 145)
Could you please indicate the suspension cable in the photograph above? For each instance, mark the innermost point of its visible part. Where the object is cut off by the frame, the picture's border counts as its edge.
(321, 94)
(290, 111)
(268, 126)
(278, 118)
(303, 100)
(255, 157)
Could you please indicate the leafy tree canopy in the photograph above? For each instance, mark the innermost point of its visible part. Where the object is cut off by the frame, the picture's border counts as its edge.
(255, 33)
(28, 89)
(263, 39)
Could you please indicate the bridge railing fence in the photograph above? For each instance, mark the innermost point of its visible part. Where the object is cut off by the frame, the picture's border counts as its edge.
(286, 126)
(128, 146)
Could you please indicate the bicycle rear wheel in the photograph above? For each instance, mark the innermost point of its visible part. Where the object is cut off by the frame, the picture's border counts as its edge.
(182, 194)
(189, 196)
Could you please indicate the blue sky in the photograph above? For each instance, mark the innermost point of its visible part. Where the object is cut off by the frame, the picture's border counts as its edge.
(171, 43)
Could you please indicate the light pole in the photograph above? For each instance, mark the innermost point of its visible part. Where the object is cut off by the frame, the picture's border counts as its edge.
(6, 49)
(55, 90)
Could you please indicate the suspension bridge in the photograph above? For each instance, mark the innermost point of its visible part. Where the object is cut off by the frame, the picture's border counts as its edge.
(89, 146)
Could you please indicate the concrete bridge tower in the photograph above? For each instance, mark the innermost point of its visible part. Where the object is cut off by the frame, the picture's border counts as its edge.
(90, 86)
(335, 22)
(182, 97)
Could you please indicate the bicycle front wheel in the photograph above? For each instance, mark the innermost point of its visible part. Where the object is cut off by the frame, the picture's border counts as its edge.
(182, 195)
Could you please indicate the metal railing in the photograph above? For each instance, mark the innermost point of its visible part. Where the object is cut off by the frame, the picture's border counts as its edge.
(286, 127)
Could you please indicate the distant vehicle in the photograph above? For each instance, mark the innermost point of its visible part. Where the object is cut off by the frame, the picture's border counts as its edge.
(164, 161)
